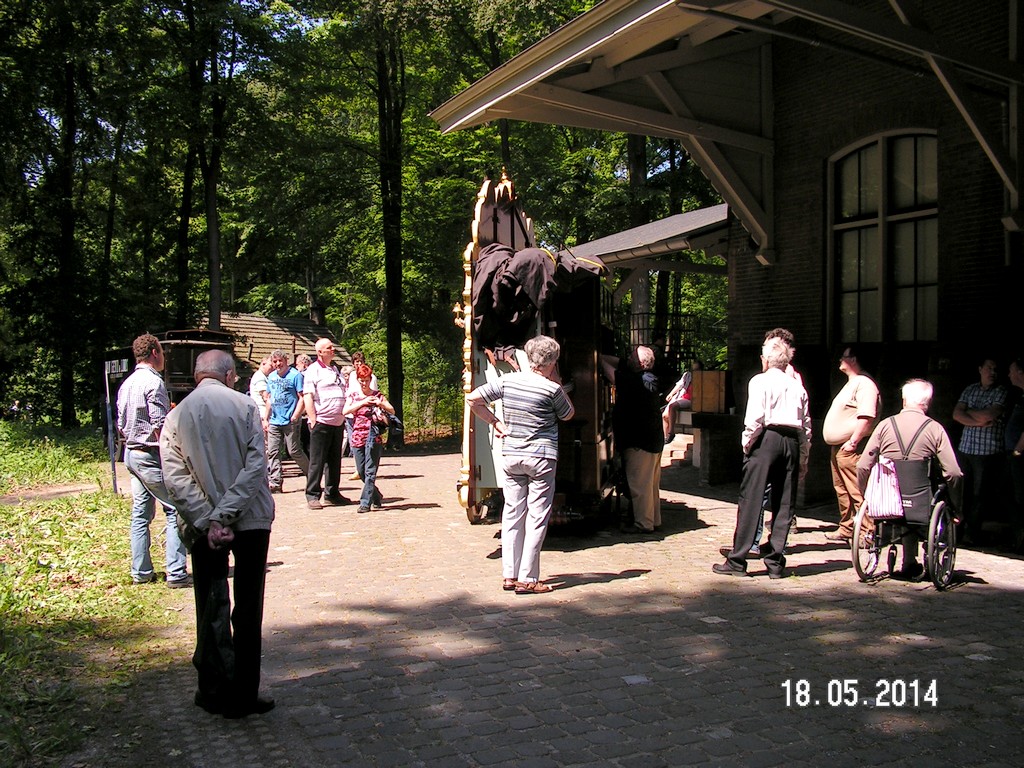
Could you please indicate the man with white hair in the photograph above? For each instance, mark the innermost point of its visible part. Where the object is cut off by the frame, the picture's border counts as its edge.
(776, 442)
(215, 469)
(924, 439)
(324, 394)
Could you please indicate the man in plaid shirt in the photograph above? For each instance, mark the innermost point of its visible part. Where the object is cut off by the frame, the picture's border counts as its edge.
(980, 409)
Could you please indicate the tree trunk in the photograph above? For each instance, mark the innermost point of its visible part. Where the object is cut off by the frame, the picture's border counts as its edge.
(66, 320)
(181, 245)
(211, 169)
(210, 182)
(390, 107)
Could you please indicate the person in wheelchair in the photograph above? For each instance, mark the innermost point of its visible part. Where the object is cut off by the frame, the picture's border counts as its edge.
(916, 443)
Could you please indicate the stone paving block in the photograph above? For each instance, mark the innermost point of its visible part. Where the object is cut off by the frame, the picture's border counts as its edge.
(643, 761)
(640, 657)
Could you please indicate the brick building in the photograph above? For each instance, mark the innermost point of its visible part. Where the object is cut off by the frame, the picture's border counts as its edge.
(868, 151)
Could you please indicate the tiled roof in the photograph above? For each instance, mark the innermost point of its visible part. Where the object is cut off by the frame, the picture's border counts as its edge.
(257, 336)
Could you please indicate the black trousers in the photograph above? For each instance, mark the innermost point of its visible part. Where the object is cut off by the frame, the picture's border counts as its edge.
(229, 642)
(325, 443)
(775, 459)
(983, 480)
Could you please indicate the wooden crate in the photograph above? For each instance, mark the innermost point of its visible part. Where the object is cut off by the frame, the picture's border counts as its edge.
(708, 388)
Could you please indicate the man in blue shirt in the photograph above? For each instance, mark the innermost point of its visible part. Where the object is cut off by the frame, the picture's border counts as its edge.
(281, 418)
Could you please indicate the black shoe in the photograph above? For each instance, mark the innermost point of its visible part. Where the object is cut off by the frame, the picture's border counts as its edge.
(755, 551)
(724, 569)
(338, 501)
(276, 489)
(911, 571)
(209, 703)
(257, 707)
(636, 528)
(180, 583)
(776, 574)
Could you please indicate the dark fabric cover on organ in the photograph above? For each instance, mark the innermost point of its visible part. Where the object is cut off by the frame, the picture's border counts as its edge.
(510, 287)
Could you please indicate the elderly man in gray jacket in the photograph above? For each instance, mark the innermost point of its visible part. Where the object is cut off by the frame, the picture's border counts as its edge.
(215, 470)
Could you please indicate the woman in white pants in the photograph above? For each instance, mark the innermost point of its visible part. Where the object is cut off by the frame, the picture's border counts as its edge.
(533, 402)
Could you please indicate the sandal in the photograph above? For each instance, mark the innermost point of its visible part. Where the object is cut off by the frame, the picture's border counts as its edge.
(531, 587)
(508, 584)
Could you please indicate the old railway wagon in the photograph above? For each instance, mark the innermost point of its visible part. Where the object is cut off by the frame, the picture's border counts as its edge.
(514, 291)
(180, 351)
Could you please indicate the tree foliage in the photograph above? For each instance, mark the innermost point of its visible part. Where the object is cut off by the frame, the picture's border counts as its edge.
(161, 160)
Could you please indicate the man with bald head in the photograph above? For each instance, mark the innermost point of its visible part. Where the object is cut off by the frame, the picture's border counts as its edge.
(215, 470)
(324, 391)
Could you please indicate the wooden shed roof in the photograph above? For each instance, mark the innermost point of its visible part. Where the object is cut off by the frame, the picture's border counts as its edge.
(257, 336)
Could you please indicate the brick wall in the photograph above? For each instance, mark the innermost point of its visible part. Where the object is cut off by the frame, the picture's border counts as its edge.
(826, 101)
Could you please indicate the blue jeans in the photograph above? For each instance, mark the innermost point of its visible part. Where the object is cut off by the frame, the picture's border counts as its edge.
(367, 460)
(147, 489)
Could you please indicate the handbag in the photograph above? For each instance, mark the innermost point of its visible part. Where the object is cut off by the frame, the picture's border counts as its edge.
(883, 492)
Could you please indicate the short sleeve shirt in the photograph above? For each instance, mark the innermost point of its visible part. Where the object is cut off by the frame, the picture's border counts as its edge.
(284, 392)
(329, 389)
(531, 407)
(858, 399)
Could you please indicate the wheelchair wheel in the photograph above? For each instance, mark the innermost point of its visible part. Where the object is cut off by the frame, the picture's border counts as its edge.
(865, 556)
(941, 553)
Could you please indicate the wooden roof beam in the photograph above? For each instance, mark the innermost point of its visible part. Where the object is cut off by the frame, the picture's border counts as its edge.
(891, 34)
(990, 141)
(646, 122)
(745, 203)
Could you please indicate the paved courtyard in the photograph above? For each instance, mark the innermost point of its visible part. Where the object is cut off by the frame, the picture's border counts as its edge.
(389, 642)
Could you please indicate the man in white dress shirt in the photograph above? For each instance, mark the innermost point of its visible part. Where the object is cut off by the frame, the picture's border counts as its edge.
(776, 440)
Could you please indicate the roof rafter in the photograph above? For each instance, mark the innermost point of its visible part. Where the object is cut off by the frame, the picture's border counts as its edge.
(643, 121)
(886, 32)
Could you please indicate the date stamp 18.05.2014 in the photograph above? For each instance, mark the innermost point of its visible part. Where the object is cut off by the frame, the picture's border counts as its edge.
(880, 693)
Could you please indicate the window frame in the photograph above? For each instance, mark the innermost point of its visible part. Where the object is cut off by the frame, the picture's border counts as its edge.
(882, 222)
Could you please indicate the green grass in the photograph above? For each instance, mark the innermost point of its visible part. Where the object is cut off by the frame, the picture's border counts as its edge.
(73, 630)
(31, 456)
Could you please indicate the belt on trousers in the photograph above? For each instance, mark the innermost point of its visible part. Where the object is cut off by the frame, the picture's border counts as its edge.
(784, 431)
(144, 448)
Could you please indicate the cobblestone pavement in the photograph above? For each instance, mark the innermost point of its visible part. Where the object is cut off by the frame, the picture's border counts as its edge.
(388, 642)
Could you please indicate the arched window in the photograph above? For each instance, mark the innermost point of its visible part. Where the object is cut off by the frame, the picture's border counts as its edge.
(884, 224)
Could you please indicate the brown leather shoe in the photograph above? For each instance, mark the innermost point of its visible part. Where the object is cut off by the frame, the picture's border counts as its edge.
(838, 536)
(508, 584)
(532, 587)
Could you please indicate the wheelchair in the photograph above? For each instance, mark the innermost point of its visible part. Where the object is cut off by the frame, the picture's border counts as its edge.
(937, 534)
